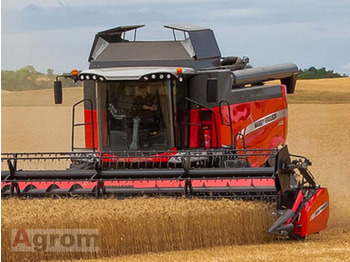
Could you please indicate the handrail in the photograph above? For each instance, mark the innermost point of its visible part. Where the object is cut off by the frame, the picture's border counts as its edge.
(83, 124)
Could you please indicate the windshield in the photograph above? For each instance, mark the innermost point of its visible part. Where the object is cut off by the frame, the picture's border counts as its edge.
(135, 115)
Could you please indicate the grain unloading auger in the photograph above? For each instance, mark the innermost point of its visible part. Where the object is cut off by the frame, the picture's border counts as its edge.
(175, 118)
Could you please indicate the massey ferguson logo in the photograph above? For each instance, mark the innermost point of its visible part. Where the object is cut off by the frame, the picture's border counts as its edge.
(54, 240)
(319, 211)
(265, 120)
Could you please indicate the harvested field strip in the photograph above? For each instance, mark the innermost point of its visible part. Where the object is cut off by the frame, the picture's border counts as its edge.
(320, 91)
(319, 97)
(43, 97)
(141, 225)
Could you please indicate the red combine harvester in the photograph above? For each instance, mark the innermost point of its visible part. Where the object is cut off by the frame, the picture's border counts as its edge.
(175, 118)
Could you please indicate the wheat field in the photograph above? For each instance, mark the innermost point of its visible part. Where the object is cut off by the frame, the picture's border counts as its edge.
(224, 231)
(134, 226)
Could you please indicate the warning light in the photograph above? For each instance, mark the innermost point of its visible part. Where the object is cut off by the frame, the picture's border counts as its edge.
(179, 70)
(74, 72)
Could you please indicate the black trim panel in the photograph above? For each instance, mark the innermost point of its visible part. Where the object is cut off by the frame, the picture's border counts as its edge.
(90, 93)
(251, 94)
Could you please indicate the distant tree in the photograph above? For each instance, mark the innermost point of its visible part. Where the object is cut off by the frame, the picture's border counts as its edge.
(28, 70)
(313, 73)
(312, 70)
(50, 72)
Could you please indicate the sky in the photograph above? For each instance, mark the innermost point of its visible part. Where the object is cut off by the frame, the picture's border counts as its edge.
(59, 34)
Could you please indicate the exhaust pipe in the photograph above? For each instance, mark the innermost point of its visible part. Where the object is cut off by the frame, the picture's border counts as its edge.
(287, 73)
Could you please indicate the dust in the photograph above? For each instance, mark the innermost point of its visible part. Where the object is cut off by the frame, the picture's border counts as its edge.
(321, 133)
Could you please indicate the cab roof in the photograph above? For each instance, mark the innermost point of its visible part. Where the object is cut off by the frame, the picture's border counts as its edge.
(198, 49)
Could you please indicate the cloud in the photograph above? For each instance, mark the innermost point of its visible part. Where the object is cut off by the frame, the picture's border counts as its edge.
(309, 33)
(59, 49)
(32, 7)
(37, 18)
(19, 4)
(235, 13)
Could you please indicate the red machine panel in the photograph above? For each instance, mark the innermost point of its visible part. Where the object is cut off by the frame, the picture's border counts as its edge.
(314, 215)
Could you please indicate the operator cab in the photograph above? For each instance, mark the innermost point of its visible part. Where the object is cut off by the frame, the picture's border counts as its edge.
(135, 98)
(136, 115)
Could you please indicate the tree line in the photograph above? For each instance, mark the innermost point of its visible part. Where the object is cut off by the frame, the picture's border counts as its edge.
(314, 73)
(27, 78)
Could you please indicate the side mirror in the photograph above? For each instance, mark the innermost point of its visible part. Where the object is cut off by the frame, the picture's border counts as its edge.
(212, 89)
(57, 85)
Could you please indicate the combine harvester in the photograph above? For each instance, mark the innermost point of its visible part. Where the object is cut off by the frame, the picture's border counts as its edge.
(175, 118)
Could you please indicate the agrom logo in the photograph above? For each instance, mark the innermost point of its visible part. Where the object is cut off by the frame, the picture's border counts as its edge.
(54, 240)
